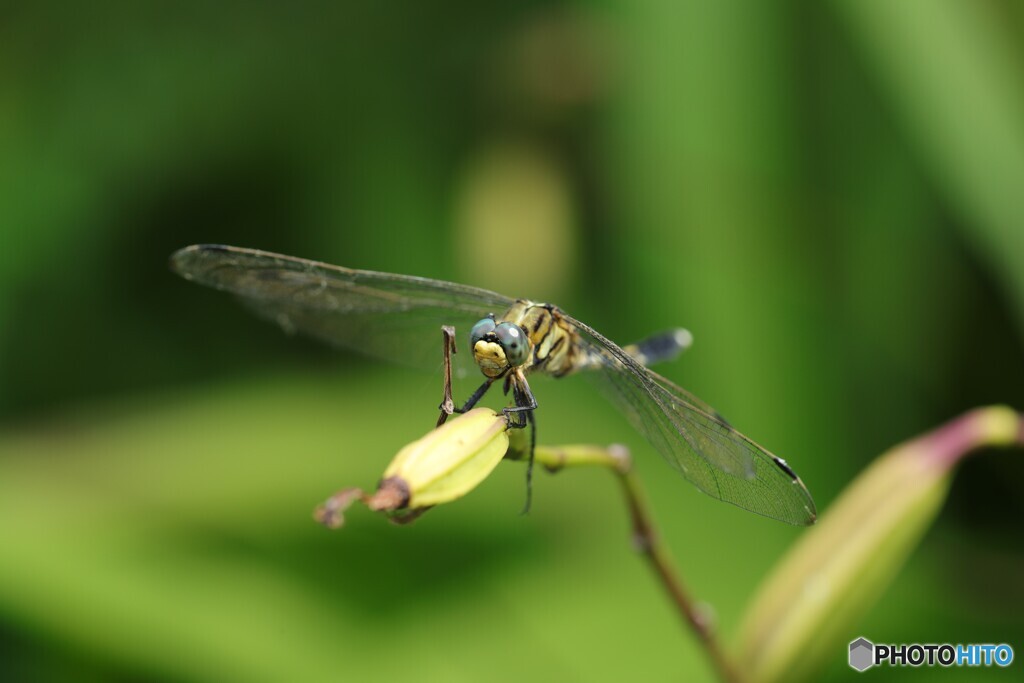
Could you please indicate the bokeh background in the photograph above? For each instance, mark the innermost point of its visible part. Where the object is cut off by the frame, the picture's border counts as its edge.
(829, 195)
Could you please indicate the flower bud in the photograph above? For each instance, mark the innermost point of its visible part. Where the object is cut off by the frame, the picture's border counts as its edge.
(807, 607)
(446, 464)
(451, 460)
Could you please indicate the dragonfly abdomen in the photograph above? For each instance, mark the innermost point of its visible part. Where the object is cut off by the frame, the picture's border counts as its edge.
(660, 347)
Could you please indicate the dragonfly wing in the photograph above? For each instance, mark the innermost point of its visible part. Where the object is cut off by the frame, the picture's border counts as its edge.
(696, 440)
(394, 317)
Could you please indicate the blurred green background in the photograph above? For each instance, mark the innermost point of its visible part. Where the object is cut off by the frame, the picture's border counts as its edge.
(829, 195)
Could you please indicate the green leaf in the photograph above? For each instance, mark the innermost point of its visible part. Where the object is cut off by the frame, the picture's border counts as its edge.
(951, 73)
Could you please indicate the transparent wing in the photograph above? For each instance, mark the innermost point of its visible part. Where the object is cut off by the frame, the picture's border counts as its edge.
(695, 439)
(394, 317)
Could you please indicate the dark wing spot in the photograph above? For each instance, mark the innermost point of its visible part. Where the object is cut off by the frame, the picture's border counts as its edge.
(721, 418)
(786, 468)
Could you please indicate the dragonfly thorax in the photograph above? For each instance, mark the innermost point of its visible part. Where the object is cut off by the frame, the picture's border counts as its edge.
(529, 335)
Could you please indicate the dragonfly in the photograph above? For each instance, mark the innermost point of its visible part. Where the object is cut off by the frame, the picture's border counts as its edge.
(393, 317)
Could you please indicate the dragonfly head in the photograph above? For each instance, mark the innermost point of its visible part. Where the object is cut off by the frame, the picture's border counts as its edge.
(498, 346)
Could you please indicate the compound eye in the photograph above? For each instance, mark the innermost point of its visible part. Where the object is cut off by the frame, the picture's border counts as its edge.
(483, 328)
(513, 340)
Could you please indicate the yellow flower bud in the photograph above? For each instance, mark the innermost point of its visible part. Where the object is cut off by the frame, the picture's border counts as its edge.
(451, 460)
(446, 464)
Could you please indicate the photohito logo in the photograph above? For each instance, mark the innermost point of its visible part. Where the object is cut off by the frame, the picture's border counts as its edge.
(864, 654)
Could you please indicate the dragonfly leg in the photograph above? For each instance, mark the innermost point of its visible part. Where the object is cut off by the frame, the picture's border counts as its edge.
(529, 463)
(520, 417)
(447, 406)
(475, 398)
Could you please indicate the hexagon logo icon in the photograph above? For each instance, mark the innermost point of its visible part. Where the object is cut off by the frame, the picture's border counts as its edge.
(862, 654)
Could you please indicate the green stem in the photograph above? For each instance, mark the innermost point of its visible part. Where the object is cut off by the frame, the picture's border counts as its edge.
(645, 538)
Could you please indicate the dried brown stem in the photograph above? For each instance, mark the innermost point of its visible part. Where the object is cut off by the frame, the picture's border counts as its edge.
(448, 347)
(646, 540)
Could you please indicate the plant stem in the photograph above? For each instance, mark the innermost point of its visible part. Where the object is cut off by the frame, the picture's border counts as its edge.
(645, 538)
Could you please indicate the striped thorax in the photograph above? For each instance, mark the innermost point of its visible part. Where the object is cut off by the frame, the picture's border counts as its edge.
(529, 335)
